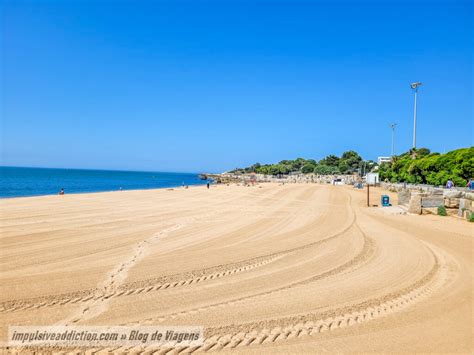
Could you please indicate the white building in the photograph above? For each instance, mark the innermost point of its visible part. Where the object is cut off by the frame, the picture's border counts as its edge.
(372, 178)
(381, 160)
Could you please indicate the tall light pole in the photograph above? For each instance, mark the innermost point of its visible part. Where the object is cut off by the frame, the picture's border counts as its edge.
(392, 126)
(415, 86)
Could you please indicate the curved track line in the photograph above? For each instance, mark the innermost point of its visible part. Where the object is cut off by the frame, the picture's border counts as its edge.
(366, 252)
(150, 285)
(311, 324)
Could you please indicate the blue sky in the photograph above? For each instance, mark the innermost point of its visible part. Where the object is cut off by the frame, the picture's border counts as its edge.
(212, 85)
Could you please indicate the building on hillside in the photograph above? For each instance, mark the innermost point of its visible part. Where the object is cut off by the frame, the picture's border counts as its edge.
(381, 160)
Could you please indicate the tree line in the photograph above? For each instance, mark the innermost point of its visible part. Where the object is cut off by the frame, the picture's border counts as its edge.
(420, 166)
(348, 163)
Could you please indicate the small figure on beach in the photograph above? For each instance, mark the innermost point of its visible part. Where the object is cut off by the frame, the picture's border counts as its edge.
(207, 185)
(449, 184)
(61, 192)
(470, 184)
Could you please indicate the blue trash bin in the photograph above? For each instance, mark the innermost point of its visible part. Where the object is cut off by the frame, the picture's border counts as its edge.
(385, 201)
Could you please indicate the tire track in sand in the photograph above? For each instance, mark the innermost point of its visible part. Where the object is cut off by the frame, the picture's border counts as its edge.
(149, 285)
(363, 256)
(177, 280)
(312, 324)
(98, 299)
(315, 323)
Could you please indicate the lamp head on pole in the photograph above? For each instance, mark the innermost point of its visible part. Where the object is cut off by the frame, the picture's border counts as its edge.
(414, 86)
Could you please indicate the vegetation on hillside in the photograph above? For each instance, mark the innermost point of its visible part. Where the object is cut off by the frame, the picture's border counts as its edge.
(348, 163)
(423, 167)
(416, 166)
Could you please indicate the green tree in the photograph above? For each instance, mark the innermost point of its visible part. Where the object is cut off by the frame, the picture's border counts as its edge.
(352, 159)
(344, 167)
(330, 160)
(308, 168)
(322, 169)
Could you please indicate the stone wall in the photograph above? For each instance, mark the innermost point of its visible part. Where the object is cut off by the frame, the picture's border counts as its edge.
(432, 201)
(291, 178)
(414, 204)
(404, 197)
(399, 186)
(423, 198)
(465, 207)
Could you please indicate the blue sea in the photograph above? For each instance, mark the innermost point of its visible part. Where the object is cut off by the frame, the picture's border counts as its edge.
(19, 182)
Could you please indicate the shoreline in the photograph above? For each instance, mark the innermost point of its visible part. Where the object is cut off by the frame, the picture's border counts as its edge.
(20, 182)
(3, 198)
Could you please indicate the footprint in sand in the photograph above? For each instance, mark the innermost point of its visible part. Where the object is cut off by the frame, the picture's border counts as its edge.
(116, 278)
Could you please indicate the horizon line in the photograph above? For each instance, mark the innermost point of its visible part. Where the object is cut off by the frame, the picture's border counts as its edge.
(97, 169)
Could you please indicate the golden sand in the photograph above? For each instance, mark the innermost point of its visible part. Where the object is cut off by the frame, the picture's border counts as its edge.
(270, 268)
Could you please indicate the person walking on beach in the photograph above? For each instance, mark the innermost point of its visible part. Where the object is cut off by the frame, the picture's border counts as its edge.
(470, 184)
(61, 192)
(449, 184)
(207, 185)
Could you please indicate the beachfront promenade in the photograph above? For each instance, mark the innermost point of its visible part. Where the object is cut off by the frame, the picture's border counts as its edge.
(299, 267)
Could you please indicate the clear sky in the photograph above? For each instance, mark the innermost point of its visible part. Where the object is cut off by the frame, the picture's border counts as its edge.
(212, 85)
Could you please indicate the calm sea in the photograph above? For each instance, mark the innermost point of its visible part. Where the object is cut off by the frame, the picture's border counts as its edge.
(17, 182)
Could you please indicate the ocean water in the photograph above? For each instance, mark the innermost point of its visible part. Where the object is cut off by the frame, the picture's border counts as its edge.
(19, 182)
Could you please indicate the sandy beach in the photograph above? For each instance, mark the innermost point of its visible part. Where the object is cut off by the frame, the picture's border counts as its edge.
(269, 268)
